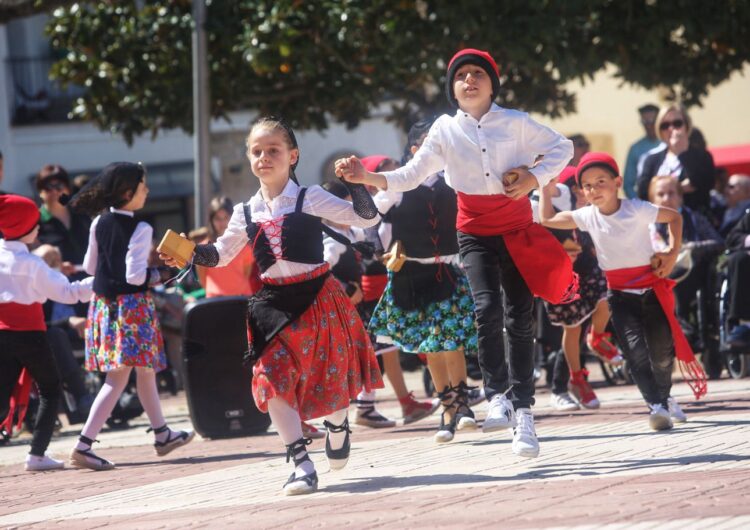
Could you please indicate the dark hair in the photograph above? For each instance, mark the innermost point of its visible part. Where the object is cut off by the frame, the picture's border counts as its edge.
(113, 187)
(49, 173)
(578, 139)
(696, 140)
(648, 107)
(279, 125)
(337, 188)
(215, 206)
(417, 132)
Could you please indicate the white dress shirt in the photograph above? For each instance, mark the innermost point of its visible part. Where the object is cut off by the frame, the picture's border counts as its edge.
(27, 279)
(136, 258)
(317, 202)
(476, 154)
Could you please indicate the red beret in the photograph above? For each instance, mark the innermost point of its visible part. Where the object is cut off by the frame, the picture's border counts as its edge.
(567, 175)
(596, 158)
(480, 58)
(18, 216)
(371, 163)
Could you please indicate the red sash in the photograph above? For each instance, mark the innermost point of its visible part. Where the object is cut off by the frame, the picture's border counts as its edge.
(22, 317)
(642, 278)
(373, 286)
(19, 401)
(539, 257)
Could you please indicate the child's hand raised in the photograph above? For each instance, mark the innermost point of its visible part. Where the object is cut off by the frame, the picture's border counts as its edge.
(350, 169)
(519, 182)
(663, 262)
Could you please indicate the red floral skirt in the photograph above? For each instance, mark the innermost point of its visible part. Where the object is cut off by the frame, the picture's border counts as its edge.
(322, 360)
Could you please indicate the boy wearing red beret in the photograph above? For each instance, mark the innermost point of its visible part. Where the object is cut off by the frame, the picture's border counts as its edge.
(640, 296)
(26, 281)
(484, 151)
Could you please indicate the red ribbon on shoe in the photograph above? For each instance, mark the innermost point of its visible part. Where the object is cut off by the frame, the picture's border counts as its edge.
(539, 257)
(644, 277)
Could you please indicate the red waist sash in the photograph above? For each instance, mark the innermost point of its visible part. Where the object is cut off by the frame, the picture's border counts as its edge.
(643, 278)
(373, 286)
(539, 257)
(22, 317)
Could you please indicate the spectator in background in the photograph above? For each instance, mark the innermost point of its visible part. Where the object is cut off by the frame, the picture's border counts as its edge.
(581, 146)
(693, 167)
(641, 147)
(240, 277)
(59, 225)
(738, 273)
(79, 181)
(737, 194)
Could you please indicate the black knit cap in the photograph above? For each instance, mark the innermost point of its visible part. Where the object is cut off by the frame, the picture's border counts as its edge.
(472, 56)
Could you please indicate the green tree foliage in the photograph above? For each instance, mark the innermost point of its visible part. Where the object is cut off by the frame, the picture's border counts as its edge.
(312, 61)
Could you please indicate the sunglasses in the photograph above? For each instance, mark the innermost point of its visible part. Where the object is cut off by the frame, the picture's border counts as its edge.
(54, 186)
(677, 124)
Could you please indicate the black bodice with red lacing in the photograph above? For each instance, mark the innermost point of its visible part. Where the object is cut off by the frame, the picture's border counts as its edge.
(296, 237)
(425, 221)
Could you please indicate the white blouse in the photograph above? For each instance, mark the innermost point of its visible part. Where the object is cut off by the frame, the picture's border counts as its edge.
(317, 202)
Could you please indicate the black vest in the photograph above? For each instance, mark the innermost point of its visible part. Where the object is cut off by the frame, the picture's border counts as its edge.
(425, 221)
(113, 233)
(301, 237)
(348, 269)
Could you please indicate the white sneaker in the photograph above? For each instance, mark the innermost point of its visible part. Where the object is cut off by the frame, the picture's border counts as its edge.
(563, 402)
(525, 442)
(675, 411)
(42, 463)
(659, 419)
(500, 414)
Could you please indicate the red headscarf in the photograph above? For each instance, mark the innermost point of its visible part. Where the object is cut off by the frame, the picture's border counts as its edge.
(18, 216)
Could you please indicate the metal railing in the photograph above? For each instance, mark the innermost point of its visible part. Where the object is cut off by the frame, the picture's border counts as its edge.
(36, 99)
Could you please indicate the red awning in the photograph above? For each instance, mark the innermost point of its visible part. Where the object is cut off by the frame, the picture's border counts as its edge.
(733, 158)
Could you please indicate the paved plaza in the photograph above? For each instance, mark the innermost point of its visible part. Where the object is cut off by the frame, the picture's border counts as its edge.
(596, 469)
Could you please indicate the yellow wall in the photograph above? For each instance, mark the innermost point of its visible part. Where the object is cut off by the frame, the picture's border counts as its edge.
(607, 113)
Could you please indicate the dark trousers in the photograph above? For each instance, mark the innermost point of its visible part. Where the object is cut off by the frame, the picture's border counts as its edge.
(31, 349)
(492, 274)
(643, 334)
(738, 272)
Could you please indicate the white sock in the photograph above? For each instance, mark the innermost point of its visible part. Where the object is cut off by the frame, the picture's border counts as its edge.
(104, 403)
(336, 439)
(148, 395)
(289, 426)
(364, 396)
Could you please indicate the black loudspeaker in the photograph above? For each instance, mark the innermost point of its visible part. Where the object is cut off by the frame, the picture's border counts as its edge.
(217, 384)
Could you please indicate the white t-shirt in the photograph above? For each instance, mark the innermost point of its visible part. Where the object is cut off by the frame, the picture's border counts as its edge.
(622, 240)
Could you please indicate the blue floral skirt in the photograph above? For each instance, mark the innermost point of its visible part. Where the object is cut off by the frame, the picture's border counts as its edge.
(124, 331)
(446, 325)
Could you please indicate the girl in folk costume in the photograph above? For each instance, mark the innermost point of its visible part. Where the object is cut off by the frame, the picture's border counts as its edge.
(347, 265)
(640, 296)
(570, 387)
(312, 352)
(123, 331)
(483, 149)
(427, 306)
(25, 283)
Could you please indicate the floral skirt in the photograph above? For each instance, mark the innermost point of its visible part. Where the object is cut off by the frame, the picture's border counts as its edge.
(446, 325)
(592, 288)
(124, 332)
(319, 362)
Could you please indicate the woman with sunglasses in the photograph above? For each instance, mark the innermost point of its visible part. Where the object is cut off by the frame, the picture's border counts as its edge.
(693, 167)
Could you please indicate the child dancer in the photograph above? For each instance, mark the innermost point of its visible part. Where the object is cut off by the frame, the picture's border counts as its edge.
(25, 283)
(640, 293)
(123, 329)
(427, 307)
(482, 149)
(313, 353)
(346, 266)
(572, 316)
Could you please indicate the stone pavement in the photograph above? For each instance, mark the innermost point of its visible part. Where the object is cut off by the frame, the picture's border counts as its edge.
(597, 469)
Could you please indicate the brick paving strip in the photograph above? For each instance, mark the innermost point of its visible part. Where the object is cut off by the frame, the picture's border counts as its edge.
(602, 468)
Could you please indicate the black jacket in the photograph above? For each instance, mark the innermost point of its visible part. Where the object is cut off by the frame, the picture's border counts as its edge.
(736, 237)
(697, 165)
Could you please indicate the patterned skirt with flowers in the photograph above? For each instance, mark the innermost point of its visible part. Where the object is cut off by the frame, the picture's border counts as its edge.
(592, 289)
(124, 332)
(446, 325)
(322, 360)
